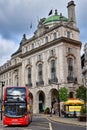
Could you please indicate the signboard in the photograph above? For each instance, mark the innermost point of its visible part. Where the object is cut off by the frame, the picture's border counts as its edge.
(74, 108)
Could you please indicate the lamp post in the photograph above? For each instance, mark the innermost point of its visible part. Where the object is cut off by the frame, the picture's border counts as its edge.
(58, 100)
(3, 83)
(51, 82)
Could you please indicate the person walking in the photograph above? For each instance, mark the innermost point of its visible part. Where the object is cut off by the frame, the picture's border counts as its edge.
(51, 111)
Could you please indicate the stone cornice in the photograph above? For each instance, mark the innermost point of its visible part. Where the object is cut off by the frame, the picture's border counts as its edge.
(40, 48)
(49, 30)
(19, 51)
(50, 44)
(10, 68)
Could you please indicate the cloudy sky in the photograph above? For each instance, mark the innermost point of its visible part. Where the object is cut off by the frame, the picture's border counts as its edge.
(16, 17)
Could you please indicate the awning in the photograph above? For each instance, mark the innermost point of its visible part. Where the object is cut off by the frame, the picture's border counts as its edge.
(74, 101)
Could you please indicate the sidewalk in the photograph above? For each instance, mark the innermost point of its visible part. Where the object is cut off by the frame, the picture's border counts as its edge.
(72, 121)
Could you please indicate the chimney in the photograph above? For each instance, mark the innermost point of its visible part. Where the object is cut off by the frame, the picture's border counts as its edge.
(71, 13)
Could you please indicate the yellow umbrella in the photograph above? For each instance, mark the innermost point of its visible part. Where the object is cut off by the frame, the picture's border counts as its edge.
(73, 101)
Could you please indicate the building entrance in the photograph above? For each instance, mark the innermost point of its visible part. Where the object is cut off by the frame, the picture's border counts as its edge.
(41, 102)
(54, 98)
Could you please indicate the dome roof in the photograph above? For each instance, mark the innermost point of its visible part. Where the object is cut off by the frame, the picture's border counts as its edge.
(55, 18)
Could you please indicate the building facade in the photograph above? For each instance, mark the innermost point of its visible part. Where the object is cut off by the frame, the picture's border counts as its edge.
(47, 61)
(84, 66)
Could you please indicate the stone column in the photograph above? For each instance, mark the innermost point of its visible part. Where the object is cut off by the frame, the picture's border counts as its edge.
(35, 104)
(48, 100)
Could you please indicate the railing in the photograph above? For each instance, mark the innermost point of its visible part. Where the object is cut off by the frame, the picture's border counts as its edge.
(72, 79)
(52, 80)
(29, 84)
(40, 83)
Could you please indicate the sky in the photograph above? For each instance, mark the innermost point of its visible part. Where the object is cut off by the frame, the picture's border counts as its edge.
(16, 17)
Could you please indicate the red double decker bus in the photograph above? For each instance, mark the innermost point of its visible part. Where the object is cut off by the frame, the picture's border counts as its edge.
(17, 106)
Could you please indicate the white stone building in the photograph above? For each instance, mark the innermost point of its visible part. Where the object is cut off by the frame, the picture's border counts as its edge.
(51, 55)
(84, 66)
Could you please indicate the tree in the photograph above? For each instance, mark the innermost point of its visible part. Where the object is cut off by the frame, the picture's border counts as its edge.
(63, 94)
(81, 93)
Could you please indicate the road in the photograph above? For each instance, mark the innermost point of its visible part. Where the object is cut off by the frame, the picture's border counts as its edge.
(41, 123)
(60, 126)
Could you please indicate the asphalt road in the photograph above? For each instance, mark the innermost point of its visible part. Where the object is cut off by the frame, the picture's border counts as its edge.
(60, 126)
(41, 123)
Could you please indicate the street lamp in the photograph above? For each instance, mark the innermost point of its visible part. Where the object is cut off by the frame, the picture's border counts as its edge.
(58, 100)
(51, 82)
(3, 84)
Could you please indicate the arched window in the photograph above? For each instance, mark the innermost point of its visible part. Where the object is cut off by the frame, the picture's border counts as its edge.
(29, 77)
(53, 70)
(70, 68)
(40, 74)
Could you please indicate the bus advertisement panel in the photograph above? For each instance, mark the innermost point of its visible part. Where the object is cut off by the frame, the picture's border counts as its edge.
(16, 102)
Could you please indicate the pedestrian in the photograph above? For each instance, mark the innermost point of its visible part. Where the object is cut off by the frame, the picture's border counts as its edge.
(74, 114)
(51, 111)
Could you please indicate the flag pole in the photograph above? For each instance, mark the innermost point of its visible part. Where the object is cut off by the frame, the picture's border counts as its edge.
(38, 33)
(31, 28)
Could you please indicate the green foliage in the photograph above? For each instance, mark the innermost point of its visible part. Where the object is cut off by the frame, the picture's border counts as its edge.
(81, 93)
(63, 94)
(83, 110)
(47, 110)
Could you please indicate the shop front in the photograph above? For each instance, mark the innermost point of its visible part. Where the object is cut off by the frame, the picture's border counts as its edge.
(72, 107)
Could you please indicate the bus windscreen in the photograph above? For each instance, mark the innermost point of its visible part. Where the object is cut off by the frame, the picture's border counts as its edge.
(15, 109)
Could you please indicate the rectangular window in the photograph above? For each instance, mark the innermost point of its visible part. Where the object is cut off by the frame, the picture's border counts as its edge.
(54, 35)
(52, 52)
(53, 70)
(28, 61)
(32, 45)
(68, 34)
(69, 50)
(39, 57)
(70, 68)
(29, 77)
(38, 42)
(26, 49)
(46, 39)
(40, 73)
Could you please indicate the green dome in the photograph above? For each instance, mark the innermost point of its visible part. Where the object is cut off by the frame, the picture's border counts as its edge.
(55, 18)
